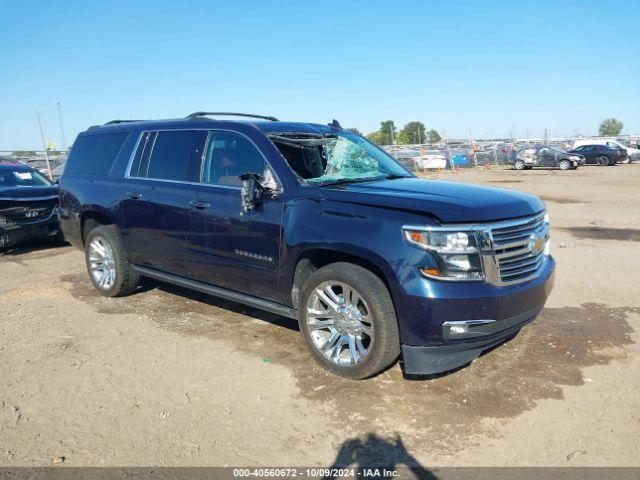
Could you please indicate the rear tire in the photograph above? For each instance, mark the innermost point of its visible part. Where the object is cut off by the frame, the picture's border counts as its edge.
(603, 160)
(519, 165)
(109, 270)
(348, 321)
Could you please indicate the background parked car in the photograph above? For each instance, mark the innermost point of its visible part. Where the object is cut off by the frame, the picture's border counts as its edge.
(632, 153)
(57, 172)
(28, 205)
(546, 156)
(600, 154)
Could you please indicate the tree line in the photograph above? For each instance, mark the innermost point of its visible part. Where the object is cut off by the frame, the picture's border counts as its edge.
(413, 133)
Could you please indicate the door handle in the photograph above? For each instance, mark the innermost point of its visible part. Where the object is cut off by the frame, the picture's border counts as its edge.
(134, 195)
(200, 205)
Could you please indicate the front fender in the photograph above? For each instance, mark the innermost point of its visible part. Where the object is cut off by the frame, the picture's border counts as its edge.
(371, 234)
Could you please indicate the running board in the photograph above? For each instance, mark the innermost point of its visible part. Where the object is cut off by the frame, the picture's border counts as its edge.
(234, 296)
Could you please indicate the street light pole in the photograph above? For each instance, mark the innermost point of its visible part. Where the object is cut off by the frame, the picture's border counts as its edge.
(44, 145)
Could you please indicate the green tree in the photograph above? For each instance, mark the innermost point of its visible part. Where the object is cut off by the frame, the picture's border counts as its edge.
(386, 135)
(375, 137)
(355, 130)
(412, 133)
(388, 132)
(610, 127)
(433, 136)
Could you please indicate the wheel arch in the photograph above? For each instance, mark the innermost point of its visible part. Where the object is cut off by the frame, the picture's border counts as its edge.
(315, 258)
(93, 217)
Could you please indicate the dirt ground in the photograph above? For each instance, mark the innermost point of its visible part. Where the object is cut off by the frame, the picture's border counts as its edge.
(171, 377)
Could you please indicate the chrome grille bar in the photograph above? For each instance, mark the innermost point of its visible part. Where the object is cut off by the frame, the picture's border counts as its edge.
(517, 250)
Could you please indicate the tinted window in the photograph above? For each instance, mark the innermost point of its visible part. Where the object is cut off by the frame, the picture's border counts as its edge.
(171, 153)
(95, 154)
(228, 156)
(140, 164)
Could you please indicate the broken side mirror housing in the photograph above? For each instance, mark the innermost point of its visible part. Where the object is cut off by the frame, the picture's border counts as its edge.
(251, 191)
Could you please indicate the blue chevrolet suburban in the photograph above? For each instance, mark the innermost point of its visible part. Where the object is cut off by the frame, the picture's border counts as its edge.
(312, 222)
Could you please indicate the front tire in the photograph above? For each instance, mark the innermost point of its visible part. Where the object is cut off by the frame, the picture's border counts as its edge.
(519, 165)
(564, 165)
(110, 271)
(348, 321)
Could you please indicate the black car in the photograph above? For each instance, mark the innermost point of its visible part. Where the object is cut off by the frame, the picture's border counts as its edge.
(545, 156)
(600, 154)
(28, 204)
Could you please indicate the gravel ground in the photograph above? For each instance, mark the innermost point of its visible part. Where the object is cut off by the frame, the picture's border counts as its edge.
(172, 377)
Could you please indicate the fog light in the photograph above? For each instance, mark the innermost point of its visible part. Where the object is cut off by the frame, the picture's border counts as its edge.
(458, 329)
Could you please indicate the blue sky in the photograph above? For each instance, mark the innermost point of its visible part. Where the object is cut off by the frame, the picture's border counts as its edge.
(456, 66)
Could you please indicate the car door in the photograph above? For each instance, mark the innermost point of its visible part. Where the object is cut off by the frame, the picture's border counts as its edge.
(156, 199)
(546, 158)
(589, 153)
(230, 247)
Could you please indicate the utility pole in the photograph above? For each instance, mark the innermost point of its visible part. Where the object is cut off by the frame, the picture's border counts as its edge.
(493, 148)
(393, 143)
(64, 142)
(44, 145)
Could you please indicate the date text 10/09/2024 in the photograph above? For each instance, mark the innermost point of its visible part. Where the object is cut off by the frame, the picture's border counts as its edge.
(315, 472)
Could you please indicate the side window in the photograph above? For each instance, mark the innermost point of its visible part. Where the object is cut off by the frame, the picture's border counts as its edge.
(94, 154)
(168, 155)
(228, 156)
(140, 164)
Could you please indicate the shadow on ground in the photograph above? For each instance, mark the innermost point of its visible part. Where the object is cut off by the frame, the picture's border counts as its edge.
(375, 453)
(507, 381)
(599, 233)
(33, 250)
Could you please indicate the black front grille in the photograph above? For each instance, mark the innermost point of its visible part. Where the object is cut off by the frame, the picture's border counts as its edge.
(22, 212)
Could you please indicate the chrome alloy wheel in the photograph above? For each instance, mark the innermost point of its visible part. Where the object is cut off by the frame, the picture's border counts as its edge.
(340, 323)
(101, 263)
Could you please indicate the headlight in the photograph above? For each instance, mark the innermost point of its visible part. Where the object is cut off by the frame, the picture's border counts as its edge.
(456, 253)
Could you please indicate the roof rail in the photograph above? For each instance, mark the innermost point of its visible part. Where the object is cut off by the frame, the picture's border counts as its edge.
(111, 122)
(230, 114)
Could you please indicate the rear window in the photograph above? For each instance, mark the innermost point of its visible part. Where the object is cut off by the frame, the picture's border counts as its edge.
(94, 154)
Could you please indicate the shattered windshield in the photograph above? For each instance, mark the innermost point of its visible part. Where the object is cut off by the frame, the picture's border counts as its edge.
(336, 158)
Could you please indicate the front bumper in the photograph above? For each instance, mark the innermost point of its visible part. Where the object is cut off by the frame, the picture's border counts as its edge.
(492, 314)
(424, 360)
(12, 234)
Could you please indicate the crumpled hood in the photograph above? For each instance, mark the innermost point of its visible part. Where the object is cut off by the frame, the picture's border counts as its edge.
(27, 192)
(449, 202)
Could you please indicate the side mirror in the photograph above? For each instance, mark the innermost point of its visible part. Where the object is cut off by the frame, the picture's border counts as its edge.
(251, 191)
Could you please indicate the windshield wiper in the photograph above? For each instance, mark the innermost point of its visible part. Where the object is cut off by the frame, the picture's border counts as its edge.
(343, 181)
(393, 176)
